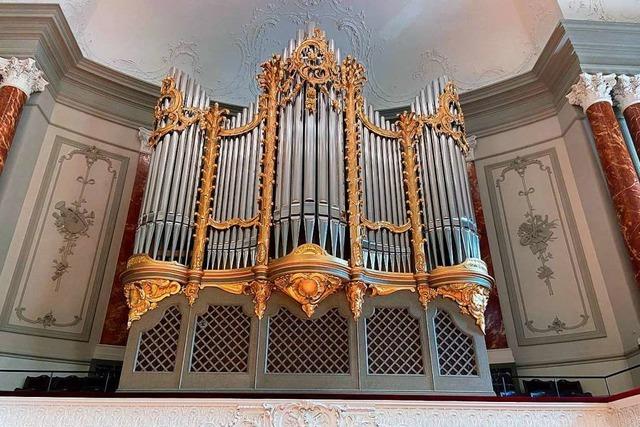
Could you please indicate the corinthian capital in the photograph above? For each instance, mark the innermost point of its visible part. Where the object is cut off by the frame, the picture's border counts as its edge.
(22, 74)
(627, 91)
(591, 89)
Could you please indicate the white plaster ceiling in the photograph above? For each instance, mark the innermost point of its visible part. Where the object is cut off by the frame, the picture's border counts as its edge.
(403, 43)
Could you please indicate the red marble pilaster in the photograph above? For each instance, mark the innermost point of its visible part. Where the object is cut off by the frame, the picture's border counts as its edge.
(632, 118)
(620, 175)
(114, 330)
(495, 335)
(12, 101)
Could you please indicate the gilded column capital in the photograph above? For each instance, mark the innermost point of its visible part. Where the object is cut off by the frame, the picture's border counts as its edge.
(22, 74)
(144, 135)
(627, 91)
(472, 143)
(591, 89)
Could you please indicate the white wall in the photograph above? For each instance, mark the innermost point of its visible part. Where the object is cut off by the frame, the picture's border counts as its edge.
(591, 272)
(78, 298)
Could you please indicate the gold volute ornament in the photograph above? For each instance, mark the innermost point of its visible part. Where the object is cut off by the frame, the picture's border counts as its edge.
(191, 291)
(144, 295)
(471, 298)
(448, 120)
(355, 296)
(261, 292)
(308, 289)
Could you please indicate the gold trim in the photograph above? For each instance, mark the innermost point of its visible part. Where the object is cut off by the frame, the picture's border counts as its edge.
(409, 126)
(386, 225)
(387, 133)
(471, 298)
(352, 77)
(213, 119)
(232, 288)
(261, 292)
(191, 292)
(240, 222)
(378, 290)
(258, 118)
(355, 296)
(176, 117)
(269, 80)
(144, 295)
(444, 122)
(308, 289)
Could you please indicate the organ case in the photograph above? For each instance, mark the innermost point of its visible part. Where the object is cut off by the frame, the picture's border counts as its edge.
(307, 194)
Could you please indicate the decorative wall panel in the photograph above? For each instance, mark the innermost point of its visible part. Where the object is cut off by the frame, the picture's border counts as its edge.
(547, 277)
(57, 279)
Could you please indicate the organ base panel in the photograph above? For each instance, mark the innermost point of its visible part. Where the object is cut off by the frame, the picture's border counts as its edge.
(307, 243)
(219, 344)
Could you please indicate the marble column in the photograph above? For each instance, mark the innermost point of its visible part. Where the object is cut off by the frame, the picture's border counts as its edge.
(20, 78)
(627, 95)
(593, 94)
(495, 335)
(114, 329)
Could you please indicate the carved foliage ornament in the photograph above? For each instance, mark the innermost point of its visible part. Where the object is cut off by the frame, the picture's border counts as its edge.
(308, 289)
(591, 89)
(144, 295)
(471, 298)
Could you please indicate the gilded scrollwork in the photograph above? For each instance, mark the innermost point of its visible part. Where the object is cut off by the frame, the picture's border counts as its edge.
(144, 295)
(409, 127)
(234, 222)
(169, 110)
(355, 295)
(261, 292)
(308, 289)
(371, 225)
(471, 299)
(448, 119)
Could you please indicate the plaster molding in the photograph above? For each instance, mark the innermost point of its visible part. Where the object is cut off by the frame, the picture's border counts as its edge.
(627, 91)
(37, 411)
(143, 137)
(472, 143)
(22, 74)
(591, 89)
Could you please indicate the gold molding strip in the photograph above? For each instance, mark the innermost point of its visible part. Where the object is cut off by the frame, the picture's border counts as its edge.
(387, 133)
(258, 118)
(409, 126)
(240, 222)
(386, 225)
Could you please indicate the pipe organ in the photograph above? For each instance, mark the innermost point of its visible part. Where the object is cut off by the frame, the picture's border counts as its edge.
(307, 237)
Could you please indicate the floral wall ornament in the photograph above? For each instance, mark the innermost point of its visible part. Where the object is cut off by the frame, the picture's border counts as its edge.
(547, 275)
(536, 231)
(73, 222)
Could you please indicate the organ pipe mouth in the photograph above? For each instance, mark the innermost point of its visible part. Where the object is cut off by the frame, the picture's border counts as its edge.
(308, 188)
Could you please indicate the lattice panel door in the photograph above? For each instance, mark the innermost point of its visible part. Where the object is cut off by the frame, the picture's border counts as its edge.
(394, 345)
(221, 341)
(308, 346)
(456, 355)
(158, 347)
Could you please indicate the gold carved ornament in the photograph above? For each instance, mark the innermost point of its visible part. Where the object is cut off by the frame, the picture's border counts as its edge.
(371, 225)
(212, 124)
(448, 120)
(471, 298)
(144, 295)
(356, 291)
(410, 127)
(316, 65)
(175, 117)
(352, 76)
(308, 289)
(260, 289)
(270, 79)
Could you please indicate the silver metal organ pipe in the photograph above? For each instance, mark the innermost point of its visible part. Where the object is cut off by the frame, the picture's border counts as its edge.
(365, 166)
(254, 168)
(375, 253)
(334, 183)
(323, 170)
(175, 210)
(297, 165)
(243, 171)
(394, 202)
(167, 149)
(227, 195)
(341, 179)
(310, 172)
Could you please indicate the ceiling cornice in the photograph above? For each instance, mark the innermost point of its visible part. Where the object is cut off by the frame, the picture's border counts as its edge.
(41, 31)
